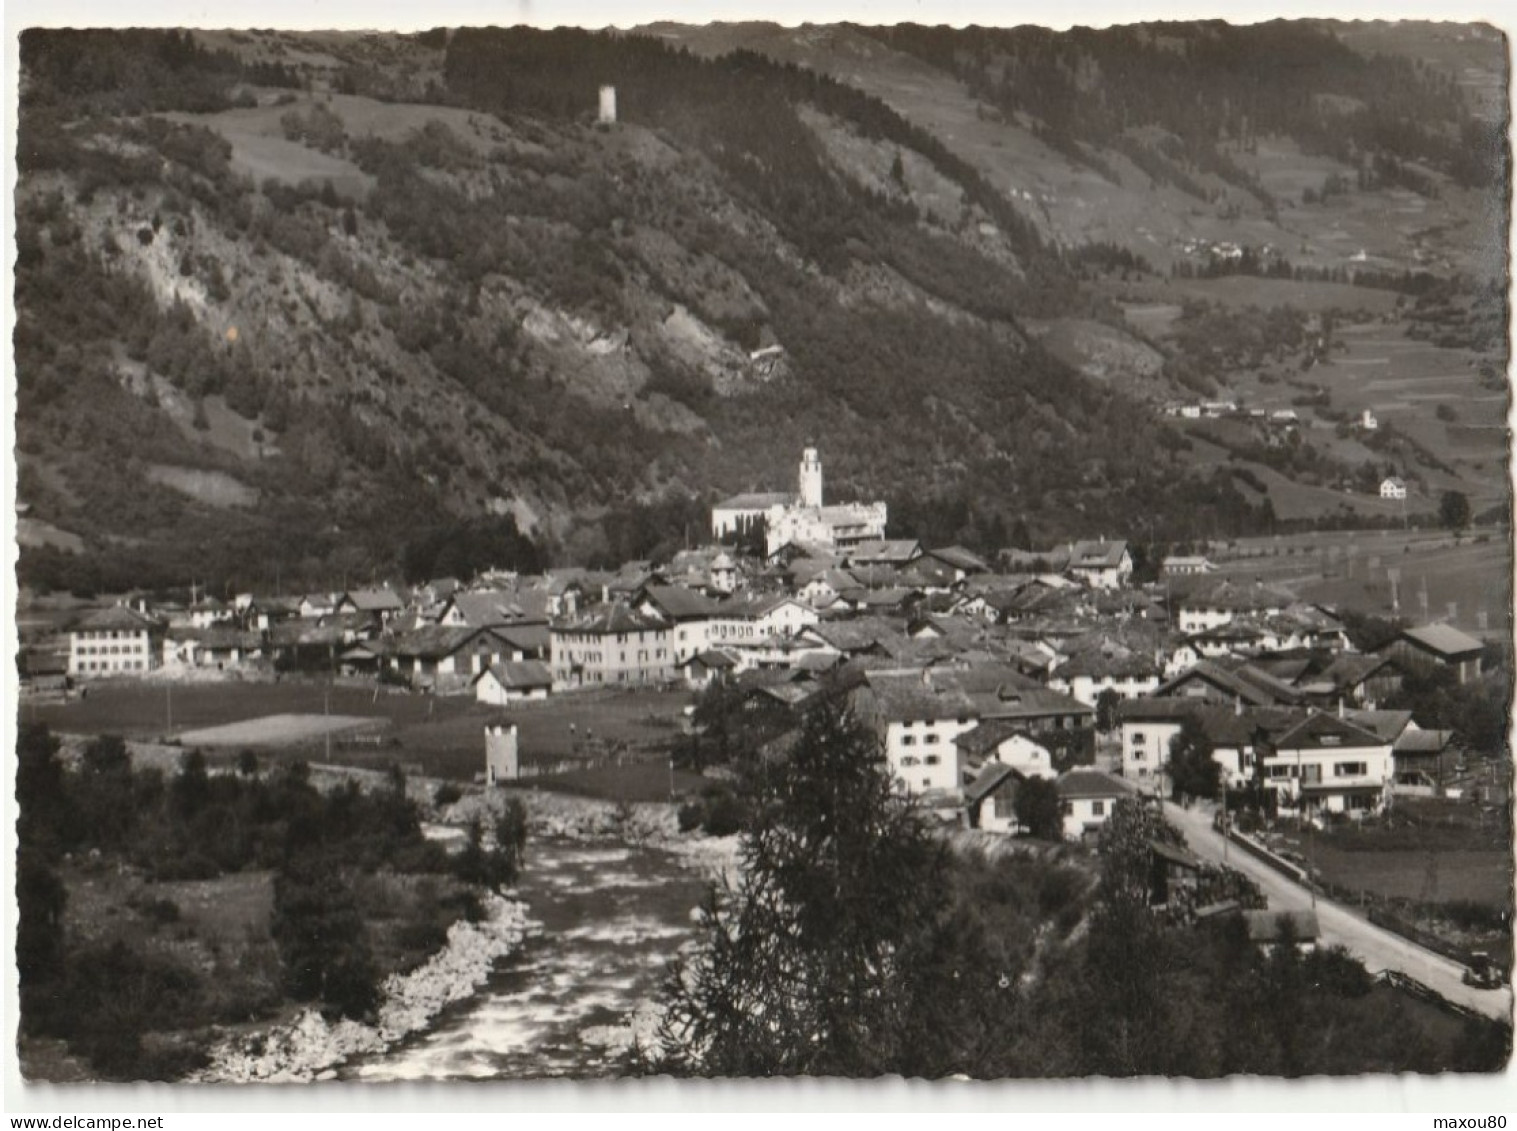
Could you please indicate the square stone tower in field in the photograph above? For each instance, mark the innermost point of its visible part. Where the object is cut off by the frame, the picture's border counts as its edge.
(502, 760)
(607, 105)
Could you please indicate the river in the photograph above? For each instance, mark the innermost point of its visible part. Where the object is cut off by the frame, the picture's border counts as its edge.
(608, 917)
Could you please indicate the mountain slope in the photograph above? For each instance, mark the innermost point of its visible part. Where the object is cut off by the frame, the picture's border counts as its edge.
(270, 330)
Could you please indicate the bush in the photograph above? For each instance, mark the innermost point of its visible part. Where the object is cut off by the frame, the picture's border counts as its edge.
(725, 814)
(446, 794)
(161, 911)
(193, 864)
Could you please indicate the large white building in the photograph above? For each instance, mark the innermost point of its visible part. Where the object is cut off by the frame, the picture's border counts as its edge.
(116, 641)
(802, 518)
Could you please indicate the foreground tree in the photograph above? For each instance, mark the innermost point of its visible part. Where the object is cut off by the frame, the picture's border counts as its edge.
(1193, 772)
(811, 963)
(1454, 510)
(1037, 809)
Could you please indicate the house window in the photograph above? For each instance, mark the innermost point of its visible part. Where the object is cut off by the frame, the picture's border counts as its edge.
(1282, 771)
(911, 760)
(1137, 755)
(1098, 808)
(908, 740)
(1350, 769)
(932, 759)
(1139, 739)
(929, 738)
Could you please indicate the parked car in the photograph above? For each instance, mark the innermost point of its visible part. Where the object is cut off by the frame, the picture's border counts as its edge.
(1482, 973)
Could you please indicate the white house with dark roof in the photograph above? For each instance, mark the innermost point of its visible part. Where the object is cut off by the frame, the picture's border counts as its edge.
(690, 613)
(1100, 565)
(513, 681)
(382, 603)
(920, 719)
(611, 645)
(1216, 605)
(1326, 763)
(1086, 799)
(116, 641)
(1393, 488)
(1106, 666)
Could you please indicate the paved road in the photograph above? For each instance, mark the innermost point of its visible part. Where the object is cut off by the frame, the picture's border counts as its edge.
(1378, 948)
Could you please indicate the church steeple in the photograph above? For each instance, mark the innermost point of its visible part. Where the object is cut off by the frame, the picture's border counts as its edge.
(811, 478)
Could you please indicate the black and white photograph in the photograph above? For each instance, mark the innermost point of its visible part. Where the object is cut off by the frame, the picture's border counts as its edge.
(849, 549)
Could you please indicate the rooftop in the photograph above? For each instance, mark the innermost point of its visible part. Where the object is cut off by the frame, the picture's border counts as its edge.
(1090, 785)
(755, 501)
(1444, 639)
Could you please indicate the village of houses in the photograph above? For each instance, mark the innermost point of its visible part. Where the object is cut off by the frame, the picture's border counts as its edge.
(976, 674)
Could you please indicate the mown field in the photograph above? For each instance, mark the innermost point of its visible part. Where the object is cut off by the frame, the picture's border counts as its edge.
(440, 736)
(1434, 877)
(1351, 571)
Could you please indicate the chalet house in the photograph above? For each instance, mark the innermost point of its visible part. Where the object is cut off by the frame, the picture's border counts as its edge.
(565, 590)
(220, 648)
(1086, 799)
(690, 613)
(1039, 710)
(43, 671)
(1212, 682)
(449, 658)
(1269, 929)
(116, 641)
(896, 553)
(1236, 638)
(1438, 645)
(722, 574)
(1421, 757)
(959, 562)
(707, 667)
(611, 645)
(896, 600)
(1328, 764)
(1180, 565)
(502, 684)
(1147, 727)
(1355, 679)
(317, 605)
(381, 604)
(759, 616)
(1173, 873)
(1107, 666)
(1005, 742)
(1393, 488)
(263, 613)
(208, 612)
(1100, 565)
(997, 783)
(865, 636)
(495, 608)
(1217, 605)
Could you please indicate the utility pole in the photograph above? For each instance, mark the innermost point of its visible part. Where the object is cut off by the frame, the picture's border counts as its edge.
(168, 694)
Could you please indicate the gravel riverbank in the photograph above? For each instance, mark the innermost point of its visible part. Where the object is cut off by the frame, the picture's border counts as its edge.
(311, 1048)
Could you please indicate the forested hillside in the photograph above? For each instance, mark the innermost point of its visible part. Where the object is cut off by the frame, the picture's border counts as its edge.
(292, 305)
